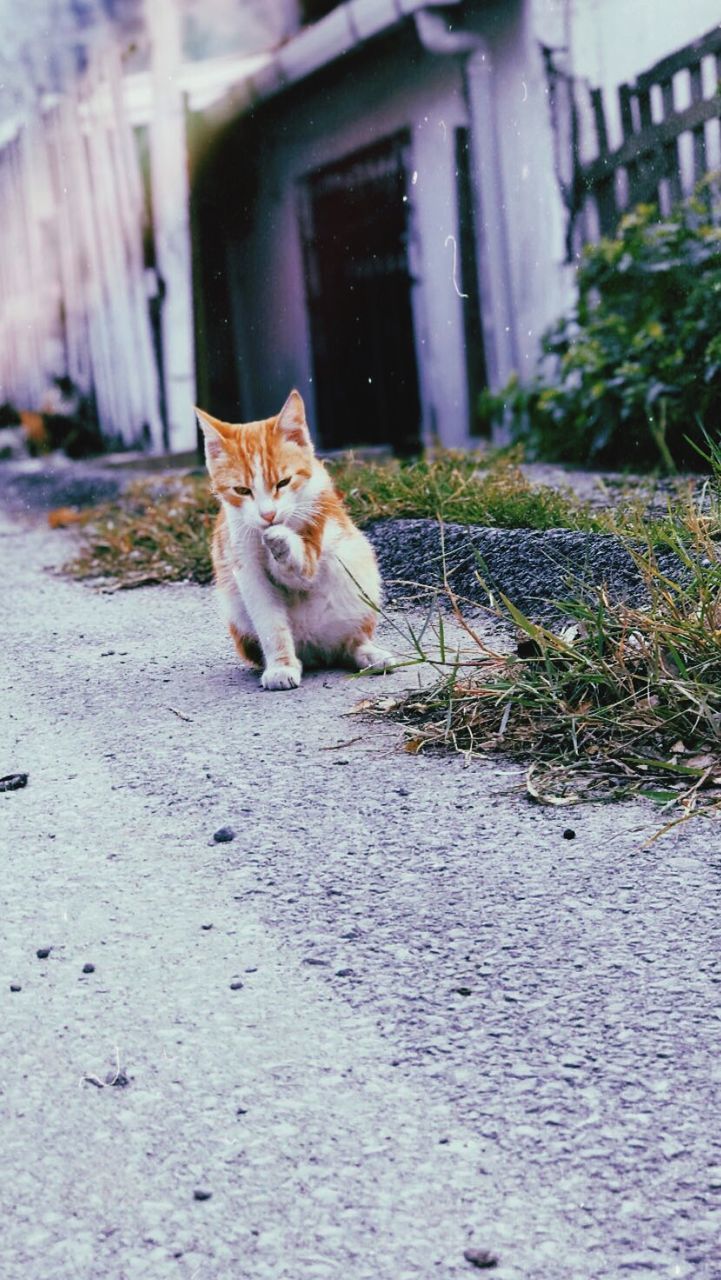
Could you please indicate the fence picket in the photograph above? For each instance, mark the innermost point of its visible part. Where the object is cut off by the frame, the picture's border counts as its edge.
(71, 261)
(648, 164)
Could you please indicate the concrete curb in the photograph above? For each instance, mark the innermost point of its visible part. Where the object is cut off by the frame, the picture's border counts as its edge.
(536, 569)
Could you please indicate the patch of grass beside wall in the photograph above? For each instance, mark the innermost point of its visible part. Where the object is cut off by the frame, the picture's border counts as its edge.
(461, 488)
(160, 531)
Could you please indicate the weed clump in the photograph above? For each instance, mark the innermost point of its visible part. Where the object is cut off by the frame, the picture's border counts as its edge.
(624, 699)
(156, 532)
(631, 375)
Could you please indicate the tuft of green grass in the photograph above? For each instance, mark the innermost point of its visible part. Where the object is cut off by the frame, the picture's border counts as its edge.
(160, 532)
(624, 700)
(461, 488)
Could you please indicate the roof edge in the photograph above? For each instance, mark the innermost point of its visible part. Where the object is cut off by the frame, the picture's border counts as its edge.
(345, 28)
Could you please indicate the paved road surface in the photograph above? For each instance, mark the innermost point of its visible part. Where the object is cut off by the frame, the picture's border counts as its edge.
(455, 1027)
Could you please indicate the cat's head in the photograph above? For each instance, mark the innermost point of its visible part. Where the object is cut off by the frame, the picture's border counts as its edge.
(266, 470)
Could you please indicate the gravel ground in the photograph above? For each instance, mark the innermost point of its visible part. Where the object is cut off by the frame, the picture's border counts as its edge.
(456, 1027)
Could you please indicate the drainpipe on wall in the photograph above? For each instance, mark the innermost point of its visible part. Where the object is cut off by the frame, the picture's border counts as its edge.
(494, 261)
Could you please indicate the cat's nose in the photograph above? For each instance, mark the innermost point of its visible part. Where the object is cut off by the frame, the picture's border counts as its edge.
(268, 515)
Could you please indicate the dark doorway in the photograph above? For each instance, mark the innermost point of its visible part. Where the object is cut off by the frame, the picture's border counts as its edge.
(472, 322)
(359, 293)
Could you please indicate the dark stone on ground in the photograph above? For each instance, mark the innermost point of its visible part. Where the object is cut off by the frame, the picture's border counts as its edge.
(223, 835)
(15, 986)
(236, 985)
(42, 953)
(13, 781)
(118, 1079)
(536, 569)
(480, 1258)
(200, 1194)
(88, 968)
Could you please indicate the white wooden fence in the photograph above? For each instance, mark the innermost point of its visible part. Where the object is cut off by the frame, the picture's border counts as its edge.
(72, 281)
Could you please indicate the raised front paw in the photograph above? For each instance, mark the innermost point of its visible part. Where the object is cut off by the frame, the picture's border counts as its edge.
(279, 542)
(279, 675)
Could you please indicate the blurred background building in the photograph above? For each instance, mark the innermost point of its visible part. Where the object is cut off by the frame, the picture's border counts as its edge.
(380, 201)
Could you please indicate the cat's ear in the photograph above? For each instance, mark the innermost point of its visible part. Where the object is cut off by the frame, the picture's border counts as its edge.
(215, 432)
(291, 420)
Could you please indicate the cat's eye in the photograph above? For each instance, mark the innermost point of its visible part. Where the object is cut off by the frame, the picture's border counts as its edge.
(242, 491)
(282, 483)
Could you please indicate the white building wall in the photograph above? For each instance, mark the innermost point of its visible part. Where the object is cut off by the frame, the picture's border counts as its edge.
(538, 281)
(501, 91)
(424, 95)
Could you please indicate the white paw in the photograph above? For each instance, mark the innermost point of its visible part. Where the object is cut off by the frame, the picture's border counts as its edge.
(281, 676)
(278, 541)
(371, 656)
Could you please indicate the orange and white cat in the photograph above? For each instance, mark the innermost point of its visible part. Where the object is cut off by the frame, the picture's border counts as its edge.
(298, 581)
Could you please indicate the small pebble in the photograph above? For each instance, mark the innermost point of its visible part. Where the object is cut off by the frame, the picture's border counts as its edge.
(206, 926)
(42, 953)
(313, 960)
(241, 1111)
(88, 968)
(13, 782)
(223, 835)
(344, 973)
(463, 991)
(117, 1078)
(236, 984)
(200, 1194)
(569, 834)
(481, 1258)
(15, 986)
(402, 791)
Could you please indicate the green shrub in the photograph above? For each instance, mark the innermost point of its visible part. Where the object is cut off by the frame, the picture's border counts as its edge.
(635, 370)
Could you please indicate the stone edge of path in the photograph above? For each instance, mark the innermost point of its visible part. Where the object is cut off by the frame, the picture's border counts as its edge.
(536, 569)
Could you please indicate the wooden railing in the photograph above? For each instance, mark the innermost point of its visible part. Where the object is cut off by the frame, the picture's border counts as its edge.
(665, 150)
(73, 296)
